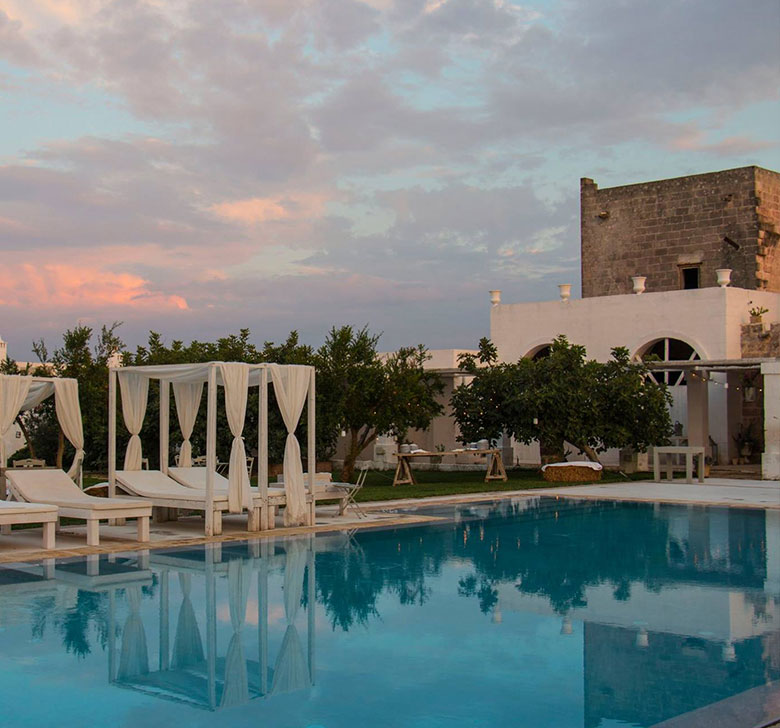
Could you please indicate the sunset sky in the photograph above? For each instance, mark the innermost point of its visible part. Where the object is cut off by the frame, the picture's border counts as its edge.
(198, 166)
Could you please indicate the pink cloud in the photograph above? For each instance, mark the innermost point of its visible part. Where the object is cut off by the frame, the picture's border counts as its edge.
(695, 140)
(256, 210)
(64, 286)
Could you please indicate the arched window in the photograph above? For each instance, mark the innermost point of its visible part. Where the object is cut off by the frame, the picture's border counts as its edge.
(668, 349)
(540, 352)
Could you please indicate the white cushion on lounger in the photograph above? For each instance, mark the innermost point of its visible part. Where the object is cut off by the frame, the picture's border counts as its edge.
(15, 507)
(575, 463)
(55, 487)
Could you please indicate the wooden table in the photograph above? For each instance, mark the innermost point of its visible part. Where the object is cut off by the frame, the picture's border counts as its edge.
(403, 471)
(689, 452)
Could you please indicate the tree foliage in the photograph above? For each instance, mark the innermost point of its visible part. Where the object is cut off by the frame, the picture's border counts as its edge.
(357, 391)
(562, 398)
(371, 396)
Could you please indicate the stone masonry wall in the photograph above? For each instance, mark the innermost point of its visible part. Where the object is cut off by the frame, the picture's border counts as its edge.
(758, 341)
(656, 228)
(768, 220)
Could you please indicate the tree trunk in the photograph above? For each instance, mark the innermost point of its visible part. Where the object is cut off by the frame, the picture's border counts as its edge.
(350, 457)
(30, 446)
(591, 453)
(357, 443)
(60, 448)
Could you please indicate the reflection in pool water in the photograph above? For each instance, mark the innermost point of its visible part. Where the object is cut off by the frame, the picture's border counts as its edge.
(538, 612)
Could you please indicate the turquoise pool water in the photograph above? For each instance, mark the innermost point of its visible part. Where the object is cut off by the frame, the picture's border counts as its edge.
(534, 612)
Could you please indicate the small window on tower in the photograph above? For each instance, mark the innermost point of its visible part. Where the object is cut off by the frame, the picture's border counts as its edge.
(690, 277)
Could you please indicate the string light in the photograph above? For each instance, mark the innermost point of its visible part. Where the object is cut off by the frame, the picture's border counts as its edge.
(725, 385)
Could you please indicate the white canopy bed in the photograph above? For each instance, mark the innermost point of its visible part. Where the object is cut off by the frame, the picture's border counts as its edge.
(51, 485)
(21, 393)
(294, 386)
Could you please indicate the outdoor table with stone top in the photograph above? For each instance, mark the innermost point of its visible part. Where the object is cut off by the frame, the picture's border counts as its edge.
(403, 471)
(690, 453)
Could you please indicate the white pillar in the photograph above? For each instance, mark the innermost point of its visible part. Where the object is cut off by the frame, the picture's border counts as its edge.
(111, 433)
(698, 409)
(165, 427)
(311, 442)
(262, 450)
(211, 448)
(770, 460)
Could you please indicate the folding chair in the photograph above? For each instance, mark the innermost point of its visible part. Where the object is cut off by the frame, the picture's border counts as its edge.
(351, 490)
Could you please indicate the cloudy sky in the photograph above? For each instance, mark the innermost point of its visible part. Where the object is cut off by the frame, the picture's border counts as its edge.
(198, 166)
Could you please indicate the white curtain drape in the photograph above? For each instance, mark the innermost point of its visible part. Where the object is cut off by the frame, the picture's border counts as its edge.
(291, 385)
(38, 392)
(235, 377)
(13, 392)
(187, 644)
(187, 398)
(135, 392)
(236, 686)
(291, 671)
(134, 658)
(66, 403)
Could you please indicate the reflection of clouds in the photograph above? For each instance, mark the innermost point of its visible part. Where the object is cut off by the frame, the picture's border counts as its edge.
(275, 613)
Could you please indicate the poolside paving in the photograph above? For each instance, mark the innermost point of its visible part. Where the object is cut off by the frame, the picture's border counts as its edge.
(25, 545)
(714, 491)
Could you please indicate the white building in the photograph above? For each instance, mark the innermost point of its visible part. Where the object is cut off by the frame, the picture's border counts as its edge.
(702, 325)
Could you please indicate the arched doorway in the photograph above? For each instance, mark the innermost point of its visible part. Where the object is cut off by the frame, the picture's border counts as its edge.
(665, 349)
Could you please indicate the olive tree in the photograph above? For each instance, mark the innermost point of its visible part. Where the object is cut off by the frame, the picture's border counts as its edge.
(563, 397)
(371, 395)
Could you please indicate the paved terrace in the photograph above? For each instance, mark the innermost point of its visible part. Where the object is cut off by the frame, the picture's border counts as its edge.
(25, 545)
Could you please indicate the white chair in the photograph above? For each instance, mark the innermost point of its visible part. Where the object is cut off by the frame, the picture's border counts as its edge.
(351, 490)
(29, 463)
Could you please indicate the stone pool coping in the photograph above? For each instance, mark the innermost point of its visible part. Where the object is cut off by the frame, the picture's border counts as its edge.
(24, 545)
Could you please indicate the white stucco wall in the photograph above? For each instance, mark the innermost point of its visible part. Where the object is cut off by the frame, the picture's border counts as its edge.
(708, 319)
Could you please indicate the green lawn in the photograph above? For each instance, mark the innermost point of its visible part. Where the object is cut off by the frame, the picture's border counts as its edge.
(431, 482)
(379, 486)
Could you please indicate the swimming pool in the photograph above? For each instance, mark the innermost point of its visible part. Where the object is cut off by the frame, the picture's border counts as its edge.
(526, 612)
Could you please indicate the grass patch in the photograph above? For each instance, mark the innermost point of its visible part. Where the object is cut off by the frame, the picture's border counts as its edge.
(379, 483)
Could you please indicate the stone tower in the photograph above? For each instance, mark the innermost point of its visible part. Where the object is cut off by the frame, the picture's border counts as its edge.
(678, 232)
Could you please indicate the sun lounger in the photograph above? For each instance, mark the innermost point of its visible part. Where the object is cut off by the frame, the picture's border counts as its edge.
(13, 513)
(55, 487)
(195, 478)
(163, 491)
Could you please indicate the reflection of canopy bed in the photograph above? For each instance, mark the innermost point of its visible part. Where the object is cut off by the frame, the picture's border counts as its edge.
(293, 387)
(189, 670)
